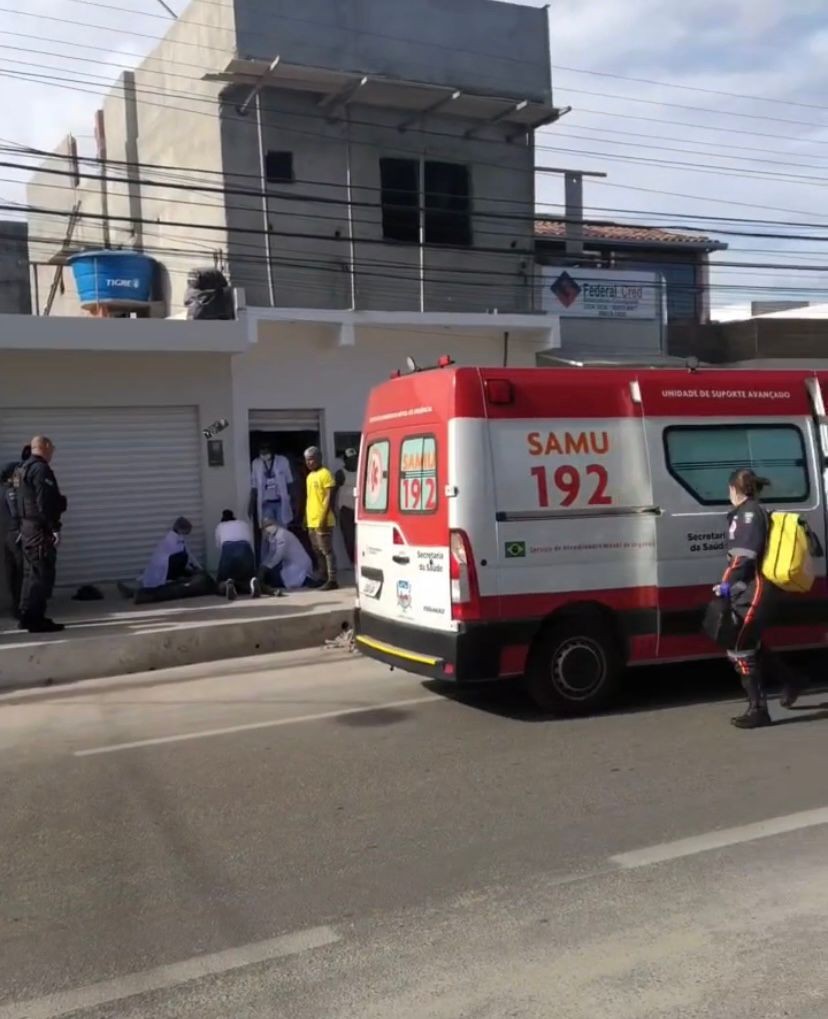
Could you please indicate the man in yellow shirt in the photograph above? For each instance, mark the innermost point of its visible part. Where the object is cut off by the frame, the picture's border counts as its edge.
(319, 516)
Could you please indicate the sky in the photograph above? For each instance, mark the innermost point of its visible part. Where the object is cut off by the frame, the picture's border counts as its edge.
(678, 151)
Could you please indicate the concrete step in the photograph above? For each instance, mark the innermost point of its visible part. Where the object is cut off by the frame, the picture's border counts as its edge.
(110, 639)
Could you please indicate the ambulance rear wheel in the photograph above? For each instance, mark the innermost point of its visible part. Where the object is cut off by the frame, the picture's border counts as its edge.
(575, 667)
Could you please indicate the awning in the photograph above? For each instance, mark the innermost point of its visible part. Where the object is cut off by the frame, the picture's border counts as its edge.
(412, 100)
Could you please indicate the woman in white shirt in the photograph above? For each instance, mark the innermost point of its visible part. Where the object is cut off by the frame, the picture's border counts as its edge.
(237, 562)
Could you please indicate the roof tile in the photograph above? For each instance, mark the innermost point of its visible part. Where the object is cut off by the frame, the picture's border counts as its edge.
(556, 229)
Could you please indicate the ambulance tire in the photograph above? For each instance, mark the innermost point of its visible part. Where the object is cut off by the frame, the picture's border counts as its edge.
(575, 667)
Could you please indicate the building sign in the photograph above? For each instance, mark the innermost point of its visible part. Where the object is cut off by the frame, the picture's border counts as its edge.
(601, 293)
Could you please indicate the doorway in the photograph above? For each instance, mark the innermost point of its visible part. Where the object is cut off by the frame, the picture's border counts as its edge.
(289, 433)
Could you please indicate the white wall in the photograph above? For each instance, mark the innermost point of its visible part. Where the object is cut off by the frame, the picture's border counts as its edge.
(119, 335)
(302, 367)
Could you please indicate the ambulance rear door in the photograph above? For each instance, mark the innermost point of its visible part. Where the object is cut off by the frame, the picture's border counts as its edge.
(403, 535)
(700, 428)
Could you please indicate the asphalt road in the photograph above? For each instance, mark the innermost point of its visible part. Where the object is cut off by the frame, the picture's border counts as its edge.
(309, 835)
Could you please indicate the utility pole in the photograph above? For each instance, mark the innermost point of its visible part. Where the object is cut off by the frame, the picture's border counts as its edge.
(100, 140)
(573, 205)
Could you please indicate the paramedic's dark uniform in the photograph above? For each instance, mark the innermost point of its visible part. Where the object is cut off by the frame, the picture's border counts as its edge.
(39, 505)
(752, 598)
(12, 549)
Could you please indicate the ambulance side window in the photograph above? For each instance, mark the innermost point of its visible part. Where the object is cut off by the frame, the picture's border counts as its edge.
(418, 474)
(375, 482)
(702, 457)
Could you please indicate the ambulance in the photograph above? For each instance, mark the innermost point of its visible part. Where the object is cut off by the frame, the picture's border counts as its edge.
(561, 524)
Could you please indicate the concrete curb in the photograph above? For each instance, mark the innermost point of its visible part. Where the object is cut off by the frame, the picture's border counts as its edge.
(79, 657)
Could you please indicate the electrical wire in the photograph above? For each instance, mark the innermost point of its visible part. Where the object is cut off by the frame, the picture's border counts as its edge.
(657, 192)
(407, 152)
(688, 88)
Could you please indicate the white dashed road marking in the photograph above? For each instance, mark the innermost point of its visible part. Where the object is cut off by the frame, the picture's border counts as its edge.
(721, 839)
(252, 726)
(164, 977)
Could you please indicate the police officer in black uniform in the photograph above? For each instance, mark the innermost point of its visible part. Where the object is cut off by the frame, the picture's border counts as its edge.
(12, 548)
(753, 599)
(39, 505)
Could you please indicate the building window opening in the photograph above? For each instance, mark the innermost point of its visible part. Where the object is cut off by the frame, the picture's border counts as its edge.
(447, 204)
(439, 203)
(400, 184)
(279, 168)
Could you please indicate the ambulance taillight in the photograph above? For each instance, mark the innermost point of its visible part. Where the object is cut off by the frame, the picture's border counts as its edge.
(465, 593)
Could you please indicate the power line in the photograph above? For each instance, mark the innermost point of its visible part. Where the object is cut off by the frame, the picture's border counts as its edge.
(267, 14)
(695, 109)
(405, 151)
(163, 61)
(126, 182)
(237, 175)
(615, 115)
(689, 88)
(96, 3)
(258, 231)
(654, 146)
(728, 171)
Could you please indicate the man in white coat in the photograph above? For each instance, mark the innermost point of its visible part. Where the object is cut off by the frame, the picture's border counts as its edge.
(270, 481)
(173, 571)
(285, 563)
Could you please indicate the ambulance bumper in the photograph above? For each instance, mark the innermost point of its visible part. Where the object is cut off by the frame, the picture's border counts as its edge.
(470, 654)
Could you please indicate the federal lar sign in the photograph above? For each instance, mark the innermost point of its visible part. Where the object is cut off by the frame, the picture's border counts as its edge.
(585, 293)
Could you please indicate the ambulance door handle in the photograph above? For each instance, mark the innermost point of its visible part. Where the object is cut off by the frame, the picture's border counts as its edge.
(401, 560)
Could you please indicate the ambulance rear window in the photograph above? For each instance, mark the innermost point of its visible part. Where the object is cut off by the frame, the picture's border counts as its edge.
(702, 458)
(418, 474)
(375, 482)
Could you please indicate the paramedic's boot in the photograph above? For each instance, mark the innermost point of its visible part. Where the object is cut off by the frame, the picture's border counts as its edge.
(756, 716)
(793, 686)
(792, 683)
(790, 694)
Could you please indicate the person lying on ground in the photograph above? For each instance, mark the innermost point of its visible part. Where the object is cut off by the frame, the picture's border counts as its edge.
(173, 572)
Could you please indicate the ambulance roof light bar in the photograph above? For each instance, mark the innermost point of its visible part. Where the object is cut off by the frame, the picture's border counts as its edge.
(445, 361)
(692, 364)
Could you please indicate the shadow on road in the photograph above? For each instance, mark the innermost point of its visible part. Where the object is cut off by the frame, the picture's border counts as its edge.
(373, 719)
(659, 688)
(815, 716)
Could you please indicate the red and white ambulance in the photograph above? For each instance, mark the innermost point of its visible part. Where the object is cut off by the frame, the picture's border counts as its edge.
(563, 523)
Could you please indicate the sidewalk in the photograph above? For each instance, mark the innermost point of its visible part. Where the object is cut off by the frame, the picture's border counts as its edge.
(114, 637)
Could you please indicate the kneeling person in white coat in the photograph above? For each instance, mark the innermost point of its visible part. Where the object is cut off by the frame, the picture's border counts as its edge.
(285, 563)
(173, 571)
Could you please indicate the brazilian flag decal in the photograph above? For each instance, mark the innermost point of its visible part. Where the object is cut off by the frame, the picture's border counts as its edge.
(515, 549)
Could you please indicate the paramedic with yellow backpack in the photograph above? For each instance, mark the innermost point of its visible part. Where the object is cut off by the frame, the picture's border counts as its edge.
(754, 599)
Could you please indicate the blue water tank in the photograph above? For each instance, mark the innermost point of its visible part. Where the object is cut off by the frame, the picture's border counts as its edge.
(113, 279)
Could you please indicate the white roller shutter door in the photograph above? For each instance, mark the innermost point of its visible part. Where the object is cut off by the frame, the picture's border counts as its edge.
(127, 472)
(284, 421)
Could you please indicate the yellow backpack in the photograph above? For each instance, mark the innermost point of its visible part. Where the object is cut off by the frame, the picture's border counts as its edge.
(788, 561)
